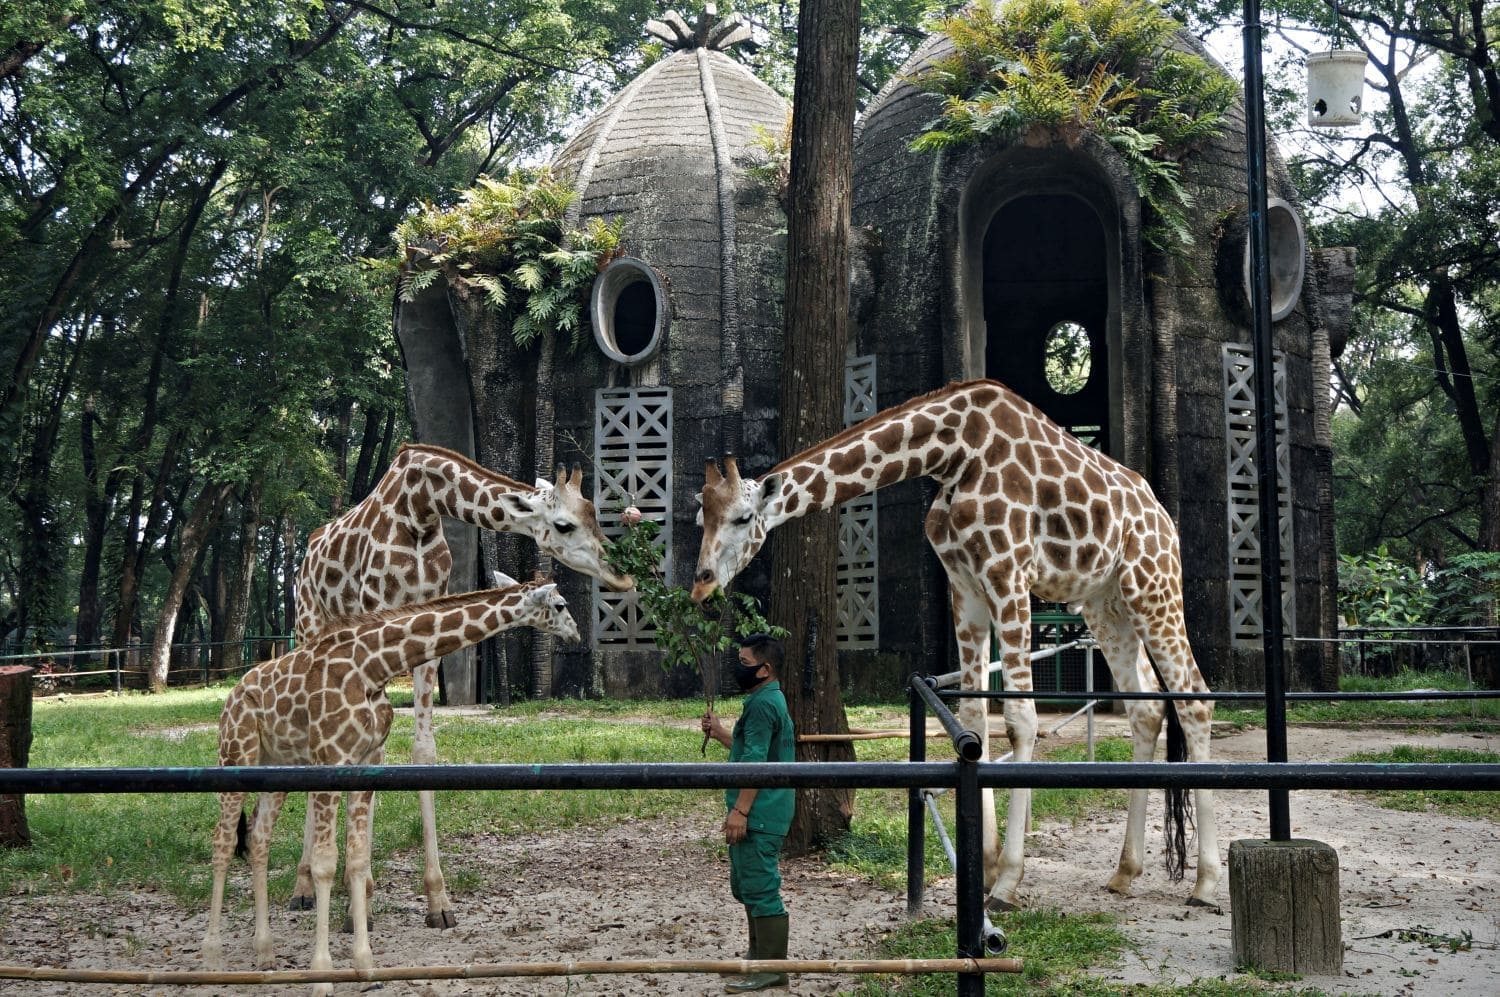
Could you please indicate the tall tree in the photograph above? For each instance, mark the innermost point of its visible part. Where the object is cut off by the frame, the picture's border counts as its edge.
(804, 552)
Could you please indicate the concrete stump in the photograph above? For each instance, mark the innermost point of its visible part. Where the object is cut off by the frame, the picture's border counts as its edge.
(1284, 898)
(15, 746)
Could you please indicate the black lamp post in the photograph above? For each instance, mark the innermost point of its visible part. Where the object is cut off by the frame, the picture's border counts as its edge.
(1265, 413)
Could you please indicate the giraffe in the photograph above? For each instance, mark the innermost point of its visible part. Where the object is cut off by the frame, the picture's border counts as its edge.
(325, 704)
(1022, 507)
(388, 550)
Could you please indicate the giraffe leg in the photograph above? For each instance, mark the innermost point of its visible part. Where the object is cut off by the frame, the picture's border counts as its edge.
(1011, 609)
(1132, 673)
(231, 805)
(267, 809)
(1145, 728)
(972, 632)
(325, 860)
(357, 874)
(440, 912)
(1160, 622)
(1210, 869)
(302, 895)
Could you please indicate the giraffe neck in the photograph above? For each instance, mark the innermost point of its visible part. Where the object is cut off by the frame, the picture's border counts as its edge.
(445, 483)
(390, 643)
(930, 435)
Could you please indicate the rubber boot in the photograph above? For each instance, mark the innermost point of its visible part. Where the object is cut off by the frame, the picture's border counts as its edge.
(770, 937)
(750, 952)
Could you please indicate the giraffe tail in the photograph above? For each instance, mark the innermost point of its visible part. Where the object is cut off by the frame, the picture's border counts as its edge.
(241, 837)
(1179, 815)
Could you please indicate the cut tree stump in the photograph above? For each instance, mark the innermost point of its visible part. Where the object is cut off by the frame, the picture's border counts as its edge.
(15, 745)
(1284, 906)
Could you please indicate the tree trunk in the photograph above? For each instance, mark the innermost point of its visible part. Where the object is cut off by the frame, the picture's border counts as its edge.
(237, 601)
(289, 575)
(97, 507)
(546, 451)
(499, 373)
(206, 511)
(15, 745)
(804, 552)
(138, 541)
(359, 487)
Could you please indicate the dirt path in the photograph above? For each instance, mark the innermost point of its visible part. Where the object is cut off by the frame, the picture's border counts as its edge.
(646, 890)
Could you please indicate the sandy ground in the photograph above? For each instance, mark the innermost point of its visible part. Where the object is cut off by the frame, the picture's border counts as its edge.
(659, 890)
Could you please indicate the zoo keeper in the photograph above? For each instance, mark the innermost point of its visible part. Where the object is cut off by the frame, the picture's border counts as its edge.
(758, 820)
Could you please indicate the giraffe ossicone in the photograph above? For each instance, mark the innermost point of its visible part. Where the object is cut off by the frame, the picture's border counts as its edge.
(389, 550)
(1022, 507)
(325, 704)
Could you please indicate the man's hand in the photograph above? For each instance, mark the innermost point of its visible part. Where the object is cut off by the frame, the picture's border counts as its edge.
(735, 826)
(711, 726)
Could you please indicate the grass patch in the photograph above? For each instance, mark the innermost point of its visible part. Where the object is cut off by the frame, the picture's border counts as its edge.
(1453, 714)
(1059, 951)
(875, 845)
(1452, 802)
(99, 842)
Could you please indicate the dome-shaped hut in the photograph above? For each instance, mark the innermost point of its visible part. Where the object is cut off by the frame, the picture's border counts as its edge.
(686, 326)
(991, 251)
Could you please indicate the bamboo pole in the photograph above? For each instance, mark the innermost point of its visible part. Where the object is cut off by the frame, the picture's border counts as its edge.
(473, 971)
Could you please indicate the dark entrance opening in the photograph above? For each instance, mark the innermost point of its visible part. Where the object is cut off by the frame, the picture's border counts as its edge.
(1046, 310)
(635, 317)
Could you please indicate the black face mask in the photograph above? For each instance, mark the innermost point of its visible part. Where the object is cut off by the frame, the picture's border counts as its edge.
(748, 676)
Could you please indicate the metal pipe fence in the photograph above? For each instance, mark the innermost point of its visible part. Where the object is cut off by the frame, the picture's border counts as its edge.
(965, 776)
(125, 665)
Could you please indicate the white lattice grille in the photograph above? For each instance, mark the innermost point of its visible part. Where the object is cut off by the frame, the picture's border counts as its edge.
(859, 590)
(1246, 618)
(633, 464)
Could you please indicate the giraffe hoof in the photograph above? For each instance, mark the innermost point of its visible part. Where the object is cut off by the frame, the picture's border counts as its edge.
(348, 926)
(441, 919)
(995, 905)
(1196, 902)
(301, 902)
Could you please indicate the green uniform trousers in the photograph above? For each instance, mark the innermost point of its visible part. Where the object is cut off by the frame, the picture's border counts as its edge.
(755, 873)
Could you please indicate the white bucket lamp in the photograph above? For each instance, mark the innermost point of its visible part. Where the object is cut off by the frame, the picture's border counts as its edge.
(1335, 84)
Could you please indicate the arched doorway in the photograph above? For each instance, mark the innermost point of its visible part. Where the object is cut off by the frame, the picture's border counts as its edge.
(1046, 301)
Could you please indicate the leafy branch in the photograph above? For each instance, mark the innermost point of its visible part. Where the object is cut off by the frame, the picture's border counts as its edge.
(691, 635)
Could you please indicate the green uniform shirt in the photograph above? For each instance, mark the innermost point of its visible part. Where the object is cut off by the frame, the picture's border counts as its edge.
(763, 733)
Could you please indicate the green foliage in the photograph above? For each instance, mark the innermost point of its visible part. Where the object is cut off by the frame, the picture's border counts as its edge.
(505, 240)
(1375, 590)
(1104, 66)
(692, 636)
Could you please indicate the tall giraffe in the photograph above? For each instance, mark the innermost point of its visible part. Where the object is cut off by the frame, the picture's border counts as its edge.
(325, 704)
(388, 550)
(1022, 507)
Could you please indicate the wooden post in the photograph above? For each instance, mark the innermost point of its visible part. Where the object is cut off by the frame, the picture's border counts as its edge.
(15, 745)
(1284, 906)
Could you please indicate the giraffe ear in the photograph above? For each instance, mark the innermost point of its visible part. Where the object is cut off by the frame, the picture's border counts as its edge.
(520, 504)
(544, 593)
(502, 580)
(767, 491)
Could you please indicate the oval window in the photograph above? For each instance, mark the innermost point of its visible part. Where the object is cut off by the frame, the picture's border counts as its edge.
(629, 311)
(1068, 358)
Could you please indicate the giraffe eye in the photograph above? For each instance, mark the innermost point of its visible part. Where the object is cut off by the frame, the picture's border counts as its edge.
(565, 528)
(745, 519)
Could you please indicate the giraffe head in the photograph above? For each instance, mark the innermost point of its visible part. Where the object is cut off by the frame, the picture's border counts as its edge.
(733, 515)
(564, 524)
(544, 608)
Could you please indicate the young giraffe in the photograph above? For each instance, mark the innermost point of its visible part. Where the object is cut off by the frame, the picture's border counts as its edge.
(1023, 507)
(388, 550)
(325, 704)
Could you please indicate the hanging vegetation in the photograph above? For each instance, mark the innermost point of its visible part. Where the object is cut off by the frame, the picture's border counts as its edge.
(1103, 66)
(505, 240)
